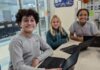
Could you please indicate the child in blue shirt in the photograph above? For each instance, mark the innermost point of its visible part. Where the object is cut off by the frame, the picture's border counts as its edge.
(56, 35)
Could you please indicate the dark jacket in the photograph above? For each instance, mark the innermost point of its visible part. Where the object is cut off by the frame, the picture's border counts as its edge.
(57, 40)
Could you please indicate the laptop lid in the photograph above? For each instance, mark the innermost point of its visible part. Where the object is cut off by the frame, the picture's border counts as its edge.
(72, 60)
(61, 62)
(95, 42)
(85, 38)
(69, 49)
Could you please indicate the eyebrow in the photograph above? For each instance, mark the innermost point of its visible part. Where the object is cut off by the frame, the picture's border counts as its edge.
(27, 17)
(83, 14)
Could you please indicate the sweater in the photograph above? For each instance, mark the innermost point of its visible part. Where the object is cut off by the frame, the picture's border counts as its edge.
(57, 40)
(23, 50)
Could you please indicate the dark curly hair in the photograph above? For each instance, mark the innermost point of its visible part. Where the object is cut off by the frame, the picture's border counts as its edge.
(26, 12)
(82, 10)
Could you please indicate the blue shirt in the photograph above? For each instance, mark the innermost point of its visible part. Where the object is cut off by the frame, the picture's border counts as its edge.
(57, 40)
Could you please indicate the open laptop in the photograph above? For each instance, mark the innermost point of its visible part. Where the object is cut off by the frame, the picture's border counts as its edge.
(89, 41)
(95, 42)
(92, 41)
(52, 62)
(69, 49)
(82, 46)
(56, 62)
(85, 38)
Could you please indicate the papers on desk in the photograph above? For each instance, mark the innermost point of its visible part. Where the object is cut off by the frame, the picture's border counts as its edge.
(59, 53)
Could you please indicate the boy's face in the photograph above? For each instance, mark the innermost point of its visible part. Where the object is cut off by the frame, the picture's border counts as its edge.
(28, 23)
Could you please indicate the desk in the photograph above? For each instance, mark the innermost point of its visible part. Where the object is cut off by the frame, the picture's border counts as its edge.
(59, 53)
(88, 59)
(71, 42)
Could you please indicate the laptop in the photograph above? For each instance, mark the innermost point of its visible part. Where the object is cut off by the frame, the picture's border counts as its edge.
(69, 49)
(56, 62)
(85, 44)
(85, 38)
(52, 62)
(82, 46)
(89, 41)
(95, 42)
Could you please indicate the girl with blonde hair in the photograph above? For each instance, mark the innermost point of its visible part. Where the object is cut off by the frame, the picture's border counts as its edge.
(56, 35)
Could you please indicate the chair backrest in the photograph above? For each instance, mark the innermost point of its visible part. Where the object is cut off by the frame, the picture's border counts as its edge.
(72, 60)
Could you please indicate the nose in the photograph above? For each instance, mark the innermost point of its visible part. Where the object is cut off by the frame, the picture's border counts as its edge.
(83, 16)
(56, 23)
(29, 22)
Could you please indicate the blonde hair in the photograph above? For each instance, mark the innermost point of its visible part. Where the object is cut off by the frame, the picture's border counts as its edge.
(52, 31)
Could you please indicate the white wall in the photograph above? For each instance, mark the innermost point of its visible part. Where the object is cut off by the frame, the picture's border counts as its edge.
(67, 14)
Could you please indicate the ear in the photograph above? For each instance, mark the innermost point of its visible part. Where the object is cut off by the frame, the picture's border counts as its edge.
(20, 25)
(77, 19)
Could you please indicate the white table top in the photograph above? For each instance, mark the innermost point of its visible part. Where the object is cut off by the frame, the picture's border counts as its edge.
(88, 59)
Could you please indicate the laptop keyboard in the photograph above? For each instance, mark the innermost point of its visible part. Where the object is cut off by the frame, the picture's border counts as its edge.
(52, 62)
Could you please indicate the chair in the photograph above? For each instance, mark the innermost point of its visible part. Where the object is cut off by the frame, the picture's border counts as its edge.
(72, 60)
